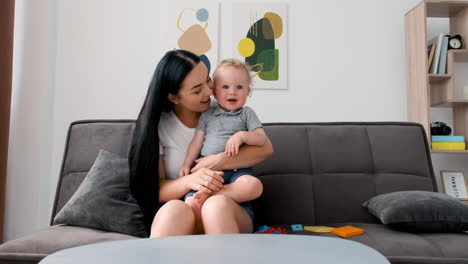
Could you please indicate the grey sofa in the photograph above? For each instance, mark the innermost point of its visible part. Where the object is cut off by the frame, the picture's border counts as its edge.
(320, 174)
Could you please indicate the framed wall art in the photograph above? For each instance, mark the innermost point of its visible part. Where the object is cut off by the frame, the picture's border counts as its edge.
(259, 35)
(192, 26)
(454, 184)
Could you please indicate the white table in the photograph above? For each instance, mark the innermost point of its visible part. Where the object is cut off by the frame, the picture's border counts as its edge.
(221, 249)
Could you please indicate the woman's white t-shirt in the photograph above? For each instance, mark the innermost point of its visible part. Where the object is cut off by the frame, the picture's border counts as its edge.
(174, 140)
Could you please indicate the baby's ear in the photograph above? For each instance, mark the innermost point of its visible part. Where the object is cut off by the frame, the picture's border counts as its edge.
(173, 98)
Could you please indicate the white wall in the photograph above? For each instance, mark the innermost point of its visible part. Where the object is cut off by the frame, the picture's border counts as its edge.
(346, 63)
(29, 156)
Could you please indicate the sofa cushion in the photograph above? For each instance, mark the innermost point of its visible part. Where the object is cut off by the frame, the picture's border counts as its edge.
(103, 201)
(335, 167)
(404, 247)
(285, 199)
(419, 211)
(84, 141)
(35, 246)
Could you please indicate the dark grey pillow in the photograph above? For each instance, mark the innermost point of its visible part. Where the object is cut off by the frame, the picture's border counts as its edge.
(419, 211)
(103, 200)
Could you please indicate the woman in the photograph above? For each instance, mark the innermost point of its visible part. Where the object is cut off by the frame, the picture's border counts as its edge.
(179, 91)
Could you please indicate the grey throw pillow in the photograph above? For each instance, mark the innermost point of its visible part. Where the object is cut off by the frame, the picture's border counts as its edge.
(419, 211)
(103, 200)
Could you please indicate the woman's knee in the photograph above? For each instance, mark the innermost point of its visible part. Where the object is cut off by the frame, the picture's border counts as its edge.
(176, 208)
(222, 215)
(173, 218)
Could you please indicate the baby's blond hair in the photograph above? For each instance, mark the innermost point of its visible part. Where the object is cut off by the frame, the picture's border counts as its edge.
(236, 64)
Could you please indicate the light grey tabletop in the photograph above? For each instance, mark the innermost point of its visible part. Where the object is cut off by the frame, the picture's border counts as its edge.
(221, 249)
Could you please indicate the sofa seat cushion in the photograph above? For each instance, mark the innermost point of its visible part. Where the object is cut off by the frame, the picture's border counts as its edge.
(36, 246)
(404, 247)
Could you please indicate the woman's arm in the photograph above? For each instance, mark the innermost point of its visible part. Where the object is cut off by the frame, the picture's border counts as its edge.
(248, 156)
(205, 179)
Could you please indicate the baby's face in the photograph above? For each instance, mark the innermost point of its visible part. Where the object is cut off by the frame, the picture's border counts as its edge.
(231, 88)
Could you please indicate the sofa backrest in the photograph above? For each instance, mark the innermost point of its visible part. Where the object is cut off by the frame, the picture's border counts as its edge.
(320, 172)
(84, 140)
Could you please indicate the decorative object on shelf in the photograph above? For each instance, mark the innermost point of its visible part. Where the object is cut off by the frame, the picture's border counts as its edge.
(442, 69)
(438, 42)
(441, 139)
(448, 145)
(448, 142)
(454, 185)
(440, 129)
(430, 55)
(455, 42)
(448, 139)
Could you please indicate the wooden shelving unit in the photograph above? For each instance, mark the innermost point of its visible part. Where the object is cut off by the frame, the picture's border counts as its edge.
(439, 76)
(450, 151)
(426, 90)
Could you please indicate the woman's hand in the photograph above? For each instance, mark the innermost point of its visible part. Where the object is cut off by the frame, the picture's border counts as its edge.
(210, 162)
(205, 180)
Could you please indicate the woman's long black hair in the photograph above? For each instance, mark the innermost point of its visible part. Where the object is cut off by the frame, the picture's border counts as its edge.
(144, 151)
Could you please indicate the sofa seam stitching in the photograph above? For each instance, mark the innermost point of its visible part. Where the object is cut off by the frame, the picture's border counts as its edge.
(307, 130)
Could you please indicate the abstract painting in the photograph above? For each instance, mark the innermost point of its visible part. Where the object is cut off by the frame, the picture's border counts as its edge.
(191, 26)
(259, 39)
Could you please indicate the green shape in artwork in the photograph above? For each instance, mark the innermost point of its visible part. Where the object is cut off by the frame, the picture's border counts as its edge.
(266, 57)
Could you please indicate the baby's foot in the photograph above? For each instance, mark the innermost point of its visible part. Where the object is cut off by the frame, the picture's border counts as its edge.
(200, 197)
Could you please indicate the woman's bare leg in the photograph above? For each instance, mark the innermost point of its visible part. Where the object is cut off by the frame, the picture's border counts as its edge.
(175, 218)
(222, 215)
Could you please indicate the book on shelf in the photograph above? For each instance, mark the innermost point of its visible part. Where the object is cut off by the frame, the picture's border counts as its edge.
(430, 55)
(448, 145)
(437, 40)
(448, 139)
(442, 69)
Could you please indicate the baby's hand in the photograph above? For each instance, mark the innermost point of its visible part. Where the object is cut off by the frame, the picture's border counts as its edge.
(185, 170)
(233, 144)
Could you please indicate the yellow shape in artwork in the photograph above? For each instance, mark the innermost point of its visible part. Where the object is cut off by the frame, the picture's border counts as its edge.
(276, 23)
(195, 40)
(246, 47)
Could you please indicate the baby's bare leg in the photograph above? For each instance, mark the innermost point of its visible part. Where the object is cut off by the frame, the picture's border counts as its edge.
(200, 197)
(198, 227)
(245, 188)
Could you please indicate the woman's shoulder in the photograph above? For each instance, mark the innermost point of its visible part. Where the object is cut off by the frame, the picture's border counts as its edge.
(168, 117)
(166, 120)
